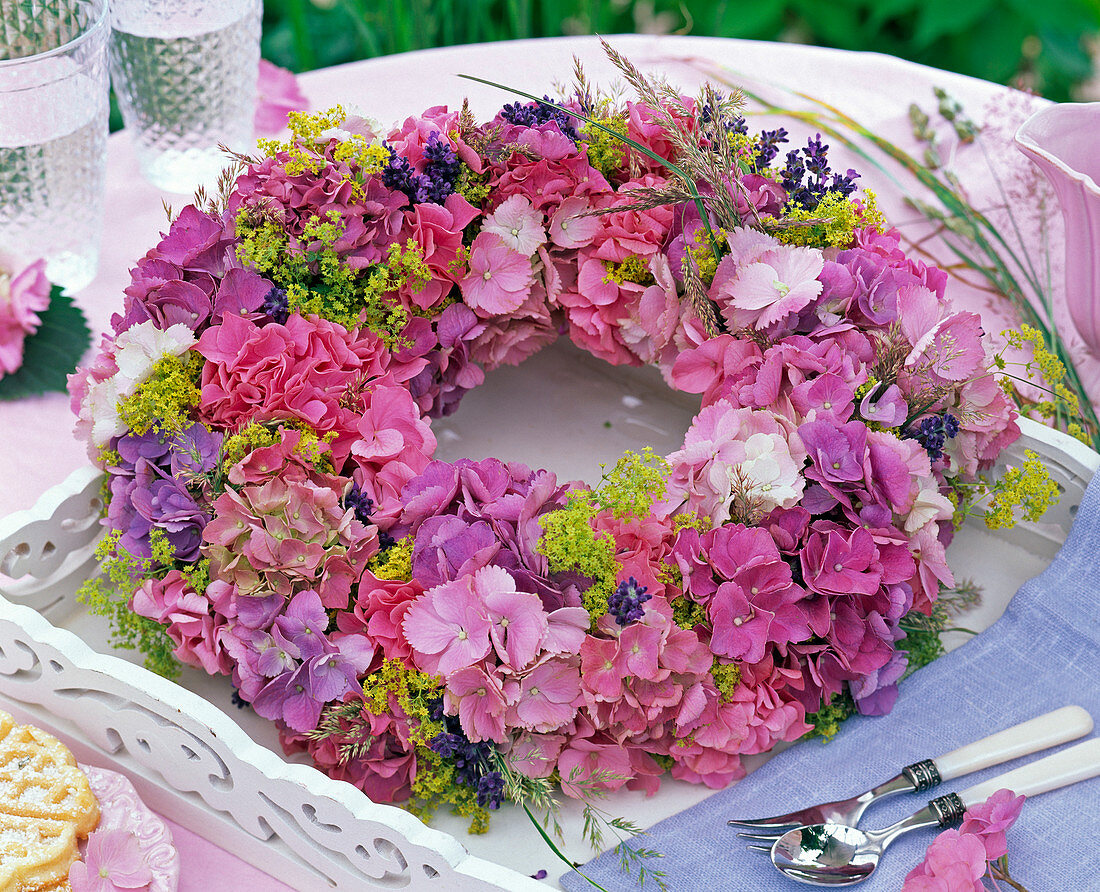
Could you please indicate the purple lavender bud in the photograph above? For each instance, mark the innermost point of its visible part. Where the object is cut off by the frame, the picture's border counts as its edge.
(490, 790)
(400, 176)
(767, 147)
(535, 114)
(276, 305)
(950, 425)
(441, 169)
(625, 603)
(360, 503)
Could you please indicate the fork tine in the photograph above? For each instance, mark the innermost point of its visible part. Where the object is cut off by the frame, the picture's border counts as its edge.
(761, 837)
(763, 824)
(765, 849)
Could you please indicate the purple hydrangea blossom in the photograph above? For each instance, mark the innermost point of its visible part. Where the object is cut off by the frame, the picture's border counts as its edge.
(467, 514)
(302, 626)
(298, 697)
(450, 372)
(150, 489)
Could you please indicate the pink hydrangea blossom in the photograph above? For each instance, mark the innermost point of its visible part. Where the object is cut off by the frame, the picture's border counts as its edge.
(517, 224)
(958, 859)
(379, 609)
(286, 535)
(477, 697)
(437, 231)
(304, 369)
(947, 346)
(550, 178)
(393, 444)
(955, 862)
(546, 696)
(730, 451)
(571, 226)
(764, 292)
(990, 820)
(384, 770)
(191, 623)
(499, 279)
(518, 624)
(448, 627)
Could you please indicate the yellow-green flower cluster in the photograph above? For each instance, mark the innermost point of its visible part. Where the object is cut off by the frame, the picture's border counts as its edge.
(1027, 487)
(570, 543)
(1050, 369)
(606, 153)
(415, 692)
(634, 269)
(163, 403)
(474, 187)
(394, 562)
(832, 223)
(747, 149)
(702, 253)
(306, 136)
(435, 782)
(688, 614)
(569, 540)
(827, 720)
(318, 282)
(727, 677)
(258, 435)
(108, 594)
(631, 487)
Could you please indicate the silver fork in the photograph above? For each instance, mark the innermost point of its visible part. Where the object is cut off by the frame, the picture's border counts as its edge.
(1040, 733)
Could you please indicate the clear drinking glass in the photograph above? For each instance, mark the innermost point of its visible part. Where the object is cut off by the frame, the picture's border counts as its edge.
(53, 134)
(185, 75)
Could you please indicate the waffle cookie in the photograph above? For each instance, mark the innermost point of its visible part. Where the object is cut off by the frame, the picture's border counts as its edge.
(46, 807)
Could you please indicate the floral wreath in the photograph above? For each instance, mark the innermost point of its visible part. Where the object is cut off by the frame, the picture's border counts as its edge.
(472, 631)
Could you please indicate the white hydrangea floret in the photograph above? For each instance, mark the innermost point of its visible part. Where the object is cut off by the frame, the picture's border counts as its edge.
(136, 351)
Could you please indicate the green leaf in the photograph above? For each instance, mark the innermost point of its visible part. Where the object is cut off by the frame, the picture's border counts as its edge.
(51, 353)
(1065, 15)
(939, 18)
(763, 19)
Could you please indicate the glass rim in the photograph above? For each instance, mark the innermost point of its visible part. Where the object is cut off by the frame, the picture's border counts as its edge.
(96, 24)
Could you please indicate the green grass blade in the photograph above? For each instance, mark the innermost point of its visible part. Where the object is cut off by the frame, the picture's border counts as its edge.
(554, 848)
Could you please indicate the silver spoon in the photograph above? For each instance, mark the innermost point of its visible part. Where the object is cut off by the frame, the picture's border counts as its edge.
(835, 855)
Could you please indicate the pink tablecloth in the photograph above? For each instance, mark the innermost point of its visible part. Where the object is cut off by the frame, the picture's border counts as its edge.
(38, 451)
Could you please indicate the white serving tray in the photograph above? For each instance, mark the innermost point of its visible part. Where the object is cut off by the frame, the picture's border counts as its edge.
(214, 769)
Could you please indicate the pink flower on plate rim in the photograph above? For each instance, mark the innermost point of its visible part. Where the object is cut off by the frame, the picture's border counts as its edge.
(113, 863)
(22, 297)
(278, 94)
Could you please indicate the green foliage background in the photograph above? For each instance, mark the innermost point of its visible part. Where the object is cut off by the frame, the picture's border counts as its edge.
(1043, 42)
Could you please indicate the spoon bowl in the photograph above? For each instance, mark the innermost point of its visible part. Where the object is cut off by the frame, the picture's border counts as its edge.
(827, 854)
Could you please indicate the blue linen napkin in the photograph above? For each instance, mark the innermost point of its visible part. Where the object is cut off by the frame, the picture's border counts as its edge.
(1042, 654)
